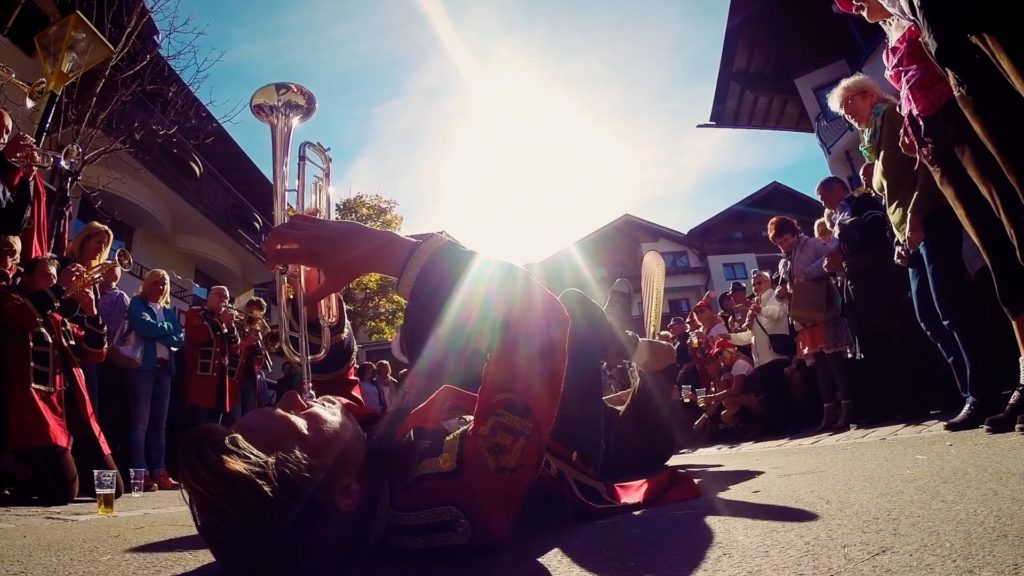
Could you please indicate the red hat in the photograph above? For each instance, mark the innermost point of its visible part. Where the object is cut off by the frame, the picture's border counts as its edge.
(705, 301)
(846, 6)
(721, 345)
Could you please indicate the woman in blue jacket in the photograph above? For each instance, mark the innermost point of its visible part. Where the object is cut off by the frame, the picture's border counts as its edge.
(156, 324)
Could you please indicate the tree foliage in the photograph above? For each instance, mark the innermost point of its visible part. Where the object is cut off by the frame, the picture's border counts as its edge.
(374, 307)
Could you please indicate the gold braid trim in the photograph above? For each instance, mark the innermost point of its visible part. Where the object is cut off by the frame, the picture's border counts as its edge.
(415, 264)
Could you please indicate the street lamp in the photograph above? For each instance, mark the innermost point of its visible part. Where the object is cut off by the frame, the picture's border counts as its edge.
(67, 48)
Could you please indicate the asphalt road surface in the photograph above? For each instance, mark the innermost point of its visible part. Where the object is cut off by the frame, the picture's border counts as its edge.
(895, 500)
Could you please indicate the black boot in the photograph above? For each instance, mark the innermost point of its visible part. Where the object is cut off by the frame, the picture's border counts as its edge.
(1014, 409)
(970, 417)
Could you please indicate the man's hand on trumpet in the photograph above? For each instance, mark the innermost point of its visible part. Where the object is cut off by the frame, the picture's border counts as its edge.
(341, 250)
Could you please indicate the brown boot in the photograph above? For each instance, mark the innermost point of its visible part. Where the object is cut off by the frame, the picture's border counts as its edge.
(845, 416)
(828, 418)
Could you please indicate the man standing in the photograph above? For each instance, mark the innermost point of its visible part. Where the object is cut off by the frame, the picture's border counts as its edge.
(876, 294)
(210, 391)
(22, 195)
(680, 341)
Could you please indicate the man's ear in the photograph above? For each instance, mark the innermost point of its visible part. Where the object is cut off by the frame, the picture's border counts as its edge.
(347, 494)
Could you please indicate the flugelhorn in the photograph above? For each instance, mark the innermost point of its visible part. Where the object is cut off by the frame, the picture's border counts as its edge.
(94, 275)
(282, 106)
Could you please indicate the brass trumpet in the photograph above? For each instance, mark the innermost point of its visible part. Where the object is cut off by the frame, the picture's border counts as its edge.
(69, 158)
(34, 92)
(94, 275)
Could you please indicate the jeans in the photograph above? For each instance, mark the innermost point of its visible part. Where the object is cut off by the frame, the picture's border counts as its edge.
(150, 395)
(939, 285)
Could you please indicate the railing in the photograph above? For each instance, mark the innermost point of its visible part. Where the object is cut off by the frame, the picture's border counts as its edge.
(190, 176)
(177, 290)
(830, 131)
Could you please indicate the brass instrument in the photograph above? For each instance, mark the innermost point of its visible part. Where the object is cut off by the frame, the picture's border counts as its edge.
(69, 158)
(94, 275)
(282, 106)
(34, 92)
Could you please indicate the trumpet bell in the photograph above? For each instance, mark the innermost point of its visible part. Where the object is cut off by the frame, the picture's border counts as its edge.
(123, 259)
(283, 101)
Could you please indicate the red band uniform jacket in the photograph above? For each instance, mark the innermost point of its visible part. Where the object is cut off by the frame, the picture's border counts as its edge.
(43, 379)
(210, 380)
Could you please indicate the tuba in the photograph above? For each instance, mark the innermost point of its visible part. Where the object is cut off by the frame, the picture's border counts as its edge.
(282, 106)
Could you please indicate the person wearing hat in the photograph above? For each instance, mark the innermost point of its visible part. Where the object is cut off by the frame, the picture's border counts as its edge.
(737, 390)
(680, 340)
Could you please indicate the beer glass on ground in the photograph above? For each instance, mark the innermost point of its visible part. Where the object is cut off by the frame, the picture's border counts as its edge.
(106, 483)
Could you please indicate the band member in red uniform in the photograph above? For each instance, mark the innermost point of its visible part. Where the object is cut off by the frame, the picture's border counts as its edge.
(252, 357)
(22, 194)
(210, 391)
(444, 467)
(51, 429)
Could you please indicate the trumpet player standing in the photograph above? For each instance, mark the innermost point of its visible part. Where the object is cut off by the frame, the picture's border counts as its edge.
(89, 248)
(211, 389)
(22, 195)
(253, 360)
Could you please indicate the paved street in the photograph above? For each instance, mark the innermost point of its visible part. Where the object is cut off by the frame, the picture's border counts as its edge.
(893, 500)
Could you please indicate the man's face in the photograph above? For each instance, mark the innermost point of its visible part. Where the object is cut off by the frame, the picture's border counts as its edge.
(321, 428)
(830, 196)
(761, 284)
(677, 329)
(44, 276)
(6, 127)
(871, 10)
(727, 358)
(216, 300)
(739, 297)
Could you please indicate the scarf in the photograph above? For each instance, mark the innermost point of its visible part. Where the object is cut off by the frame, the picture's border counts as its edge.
(872, 135)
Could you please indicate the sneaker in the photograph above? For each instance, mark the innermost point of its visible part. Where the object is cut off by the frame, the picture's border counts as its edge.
(148, 485)
(970, 417)
(163, 481)
(1020, 424)
(1005, 422)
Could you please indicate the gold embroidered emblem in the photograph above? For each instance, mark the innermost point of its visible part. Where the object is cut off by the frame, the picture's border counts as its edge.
(446, 461)
(503, 438)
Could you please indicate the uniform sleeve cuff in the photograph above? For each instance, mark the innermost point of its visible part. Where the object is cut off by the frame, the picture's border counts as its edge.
(419, 257)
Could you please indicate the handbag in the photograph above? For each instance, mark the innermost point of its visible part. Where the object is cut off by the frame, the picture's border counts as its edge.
(809, 301)
(126, 350)
(781, 344)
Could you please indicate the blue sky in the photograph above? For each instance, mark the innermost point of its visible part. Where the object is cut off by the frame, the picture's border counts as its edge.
(516, 126)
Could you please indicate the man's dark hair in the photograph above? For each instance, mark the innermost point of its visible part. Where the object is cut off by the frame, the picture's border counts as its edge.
(782, 225)
(45, 259)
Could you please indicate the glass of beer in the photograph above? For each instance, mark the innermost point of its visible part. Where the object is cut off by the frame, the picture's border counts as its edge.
(106, 483)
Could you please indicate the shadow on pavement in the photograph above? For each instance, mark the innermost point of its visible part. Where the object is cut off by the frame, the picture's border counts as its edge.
(179, 544)
(662, 541)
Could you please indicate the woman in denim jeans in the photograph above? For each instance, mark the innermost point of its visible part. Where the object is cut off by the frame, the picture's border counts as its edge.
(156, 324)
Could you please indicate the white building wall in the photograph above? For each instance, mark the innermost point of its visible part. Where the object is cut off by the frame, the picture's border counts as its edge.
(718, 283)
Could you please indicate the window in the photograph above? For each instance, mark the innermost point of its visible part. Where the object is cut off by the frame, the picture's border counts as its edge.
(679, 307)
(676, 262)
(735, 271)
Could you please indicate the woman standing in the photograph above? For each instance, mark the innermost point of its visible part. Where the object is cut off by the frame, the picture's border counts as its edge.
(156, 324)
(823, 344)
(89, 247)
